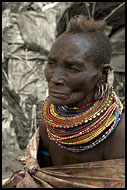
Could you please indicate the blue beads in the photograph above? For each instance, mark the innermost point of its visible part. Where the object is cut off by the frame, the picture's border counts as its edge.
(79, 148)
(66, 112)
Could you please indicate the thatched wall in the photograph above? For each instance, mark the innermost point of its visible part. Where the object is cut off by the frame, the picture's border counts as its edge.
(28, 31)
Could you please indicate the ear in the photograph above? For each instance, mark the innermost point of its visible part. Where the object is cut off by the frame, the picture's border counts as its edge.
(105, 69)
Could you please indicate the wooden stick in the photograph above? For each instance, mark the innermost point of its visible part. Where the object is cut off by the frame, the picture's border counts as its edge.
(93, 10)
(50, 6)
(10, 85)
(88, 11)
(113, 11)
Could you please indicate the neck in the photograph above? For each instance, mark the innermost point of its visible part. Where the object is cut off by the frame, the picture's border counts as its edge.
(83, 101)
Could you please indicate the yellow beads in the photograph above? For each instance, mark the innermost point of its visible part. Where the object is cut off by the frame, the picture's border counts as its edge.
(82, 126)
(54, 117)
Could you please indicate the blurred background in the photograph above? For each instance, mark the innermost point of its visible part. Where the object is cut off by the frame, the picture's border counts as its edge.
(28, 32)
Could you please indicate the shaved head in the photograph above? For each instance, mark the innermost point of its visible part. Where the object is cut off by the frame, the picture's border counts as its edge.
(94, 32)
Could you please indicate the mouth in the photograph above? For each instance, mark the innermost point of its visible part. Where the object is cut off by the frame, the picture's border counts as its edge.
(56, 93)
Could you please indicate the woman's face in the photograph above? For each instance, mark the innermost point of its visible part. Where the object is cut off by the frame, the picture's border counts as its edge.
(71, 72)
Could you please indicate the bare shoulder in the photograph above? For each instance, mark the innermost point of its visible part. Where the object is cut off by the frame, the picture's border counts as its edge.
(114, 145)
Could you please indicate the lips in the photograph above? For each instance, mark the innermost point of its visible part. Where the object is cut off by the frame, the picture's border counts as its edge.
(56, 93)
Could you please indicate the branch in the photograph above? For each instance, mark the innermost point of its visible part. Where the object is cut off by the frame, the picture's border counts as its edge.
(50, 6)
(11, 87)
(26, 60)
(33, 81)
(13, 56)
(88, 11)
(93, 10)
(113, 11)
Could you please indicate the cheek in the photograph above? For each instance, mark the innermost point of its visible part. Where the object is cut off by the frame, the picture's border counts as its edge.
(84, 82)
(76, 81)
(47, 73)
(90, 82)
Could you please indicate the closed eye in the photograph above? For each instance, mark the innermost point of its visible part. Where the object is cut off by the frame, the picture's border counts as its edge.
(51, 63)
(73, 68)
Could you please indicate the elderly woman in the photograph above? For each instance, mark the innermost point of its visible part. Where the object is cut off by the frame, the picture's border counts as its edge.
(82, 117)
(82, 120)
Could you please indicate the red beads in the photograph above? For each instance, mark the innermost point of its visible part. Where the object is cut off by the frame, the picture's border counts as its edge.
(77, 129)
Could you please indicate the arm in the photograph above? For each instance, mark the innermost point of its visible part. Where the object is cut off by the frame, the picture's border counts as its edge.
(114, 145)
(44, 157)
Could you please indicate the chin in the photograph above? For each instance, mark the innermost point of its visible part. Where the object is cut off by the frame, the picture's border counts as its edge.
(58, 101)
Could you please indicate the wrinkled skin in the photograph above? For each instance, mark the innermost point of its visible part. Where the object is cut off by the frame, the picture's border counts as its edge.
(72, 77)
(70, 72)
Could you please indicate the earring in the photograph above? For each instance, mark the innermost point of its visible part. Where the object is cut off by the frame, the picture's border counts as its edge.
(110, 80)
(106, 87)
(100, 92)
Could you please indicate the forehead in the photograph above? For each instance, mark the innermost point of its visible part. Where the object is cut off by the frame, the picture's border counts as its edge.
(68, 45)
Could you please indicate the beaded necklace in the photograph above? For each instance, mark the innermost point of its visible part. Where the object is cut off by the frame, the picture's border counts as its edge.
(78, 129)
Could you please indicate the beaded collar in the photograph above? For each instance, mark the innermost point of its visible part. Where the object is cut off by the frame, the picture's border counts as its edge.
(79, 129)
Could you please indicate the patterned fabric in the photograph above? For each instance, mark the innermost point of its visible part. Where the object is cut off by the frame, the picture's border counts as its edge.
(100, 174)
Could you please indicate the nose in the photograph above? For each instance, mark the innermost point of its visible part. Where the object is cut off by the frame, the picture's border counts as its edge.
(58, 77)
(57, 82)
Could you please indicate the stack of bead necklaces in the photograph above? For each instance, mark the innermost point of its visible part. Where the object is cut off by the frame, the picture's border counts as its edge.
(79, 129)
